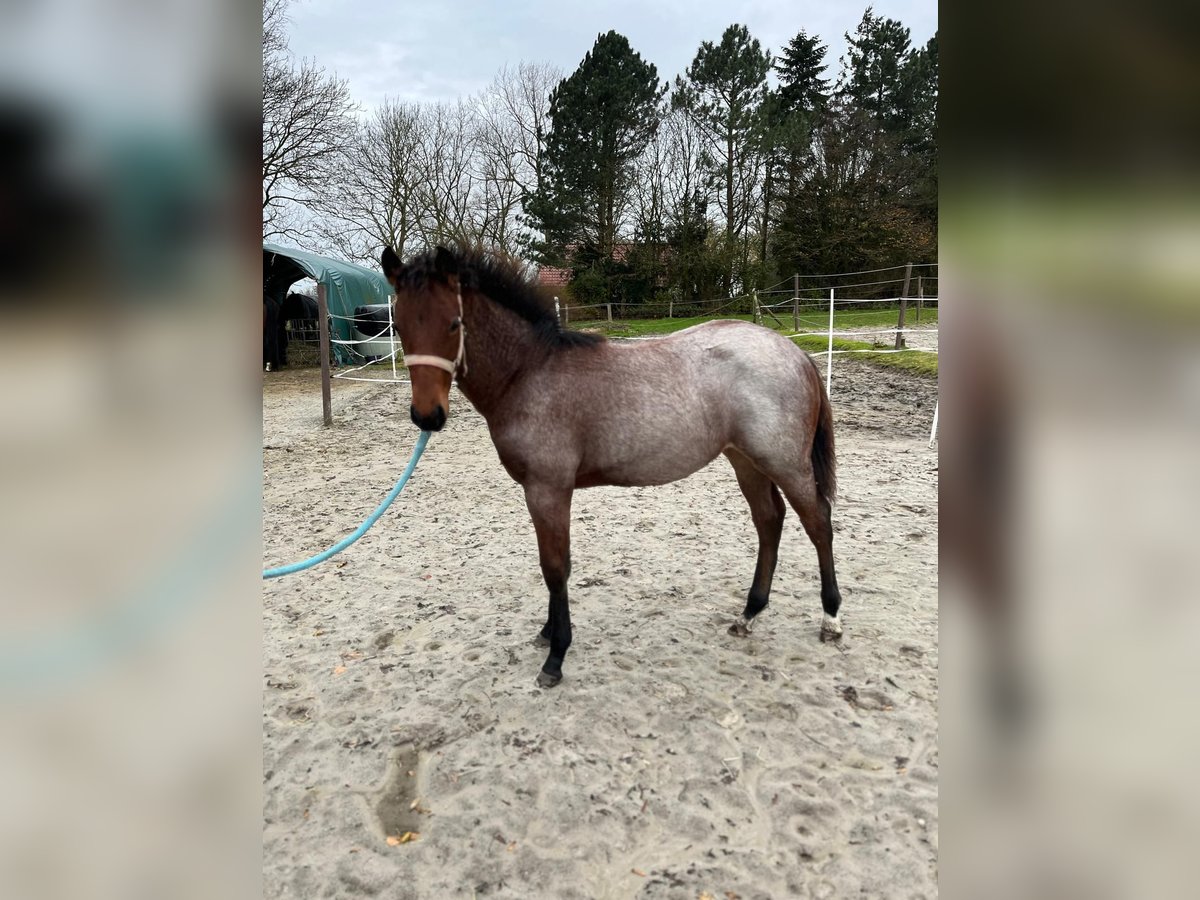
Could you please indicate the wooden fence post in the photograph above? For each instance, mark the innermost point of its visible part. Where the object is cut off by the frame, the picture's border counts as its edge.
(670, 307)
(608, 306)
(757, 311)
(903, 308)
(920, 296)
(323, 340)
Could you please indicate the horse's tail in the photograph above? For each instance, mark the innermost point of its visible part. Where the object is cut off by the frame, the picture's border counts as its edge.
(824, 462)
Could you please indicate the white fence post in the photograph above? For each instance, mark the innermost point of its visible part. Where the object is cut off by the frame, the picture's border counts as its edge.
(795, 302)
(829, 356)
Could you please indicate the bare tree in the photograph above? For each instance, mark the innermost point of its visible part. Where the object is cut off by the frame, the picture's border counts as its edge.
(412, 178)
(274, 32)
(724, 90)
(649, 191)
(517, 106)
(514, 120)
(686, 185)
(375, 197)
(449, 184)
(499, 170)
(503, 167)
(414, 175)
(688, 201)
(307, 125)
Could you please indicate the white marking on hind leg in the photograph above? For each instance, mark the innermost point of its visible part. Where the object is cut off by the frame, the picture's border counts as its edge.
(741, 627)
(831, 625)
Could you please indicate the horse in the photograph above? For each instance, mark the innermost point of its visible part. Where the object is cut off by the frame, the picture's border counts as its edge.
(568, 410)
(274, 334)
(299, 307)
(276, 315)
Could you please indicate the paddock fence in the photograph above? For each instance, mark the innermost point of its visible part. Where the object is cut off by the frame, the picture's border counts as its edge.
(835, 307)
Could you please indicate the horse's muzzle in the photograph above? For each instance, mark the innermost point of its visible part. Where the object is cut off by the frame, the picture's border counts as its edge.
(430, 422)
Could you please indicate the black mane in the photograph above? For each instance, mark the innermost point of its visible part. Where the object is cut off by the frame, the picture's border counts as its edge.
(504, 282)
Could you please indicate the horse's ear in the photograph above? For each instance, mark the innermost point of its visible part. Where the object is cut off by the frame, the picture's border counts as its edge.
(445, 263)
(392, 267)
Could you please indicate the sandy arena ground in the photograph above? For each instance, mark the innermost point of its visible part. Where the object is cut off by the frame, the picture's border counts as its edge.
(674, 760)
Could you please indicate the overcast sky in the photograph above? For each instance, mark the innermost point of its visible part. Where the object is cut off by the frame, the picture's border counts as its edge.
(435, 50)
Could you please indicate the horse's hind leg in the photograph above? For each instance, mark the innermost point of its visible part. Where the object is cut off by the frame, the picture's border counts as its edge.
(800, 488)
(767, 510)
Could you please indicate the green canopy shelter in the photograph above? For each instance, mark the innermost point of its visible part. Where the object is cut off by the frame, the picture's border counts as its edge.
(346, 285)
(341, 286)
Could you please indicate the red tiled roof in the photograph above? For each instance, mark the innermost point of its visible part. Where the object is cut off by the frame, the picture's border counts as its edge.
(555, 277)
(548, 275)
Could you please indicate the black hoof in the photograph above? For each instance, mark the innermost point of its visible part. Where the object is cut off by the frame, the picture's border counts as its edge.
(739, 629)
(546, 680)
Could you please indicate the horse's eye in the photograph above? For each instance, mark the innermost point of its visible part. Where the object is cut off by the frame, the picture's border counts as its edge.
(455, 324)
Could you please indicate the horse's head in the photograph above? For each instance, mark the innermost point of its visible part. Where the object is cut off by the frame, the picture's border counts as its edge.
(428, 319)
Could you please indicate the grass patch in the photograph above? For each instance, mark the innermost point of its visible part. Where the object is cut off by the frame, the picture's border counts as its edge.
(642, 327)
(911, 361)
(810, 320)
(855, 318)
(915, 361)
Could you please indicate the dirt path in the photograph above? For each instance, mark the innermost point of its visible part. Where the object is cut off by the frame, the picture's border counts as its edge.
(674, 759)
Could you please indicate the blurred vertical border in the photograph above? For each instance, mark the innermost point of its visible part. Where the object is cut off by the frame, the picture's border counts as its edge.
(130, 643)
(1070, 449)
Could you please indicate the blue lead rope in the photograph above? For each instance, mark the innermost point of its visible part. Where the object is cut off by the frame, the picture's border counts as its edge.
(362, 529)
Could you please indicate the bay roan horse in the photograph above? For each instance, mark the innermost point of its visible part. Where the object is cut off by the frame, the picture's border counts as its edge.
(568, 410)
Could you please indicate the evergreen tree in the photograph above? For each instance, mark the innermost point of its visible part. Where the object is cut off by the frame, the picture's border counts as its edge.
(802, 89)
(601, 118)
(864, 192)
(845, 213)
(920, 75)
(877, 52)
(894, 87)
(793, 111)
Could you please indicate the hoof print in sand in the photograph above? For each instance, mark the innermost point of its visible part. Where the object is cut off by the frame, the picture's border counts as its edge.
(397, 804)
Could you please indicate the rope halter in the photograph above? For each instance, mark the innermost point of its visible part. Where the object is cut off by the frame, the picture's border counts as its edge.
(440, 362)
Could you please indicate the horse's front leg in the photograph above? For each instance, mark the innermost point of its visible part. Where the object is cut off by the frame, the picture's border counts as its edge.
(550, 509)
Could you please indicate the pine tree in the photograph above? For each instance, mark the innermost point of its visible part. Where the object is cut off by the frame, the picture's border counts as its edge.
(601, 117)
(864, 192)
(877, 52)
(796, 108)
(920, 76)
(802, 89)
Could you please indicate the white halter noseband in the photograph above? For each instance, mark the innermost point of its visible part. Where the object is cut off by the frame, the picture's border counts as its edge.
(440, 362)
